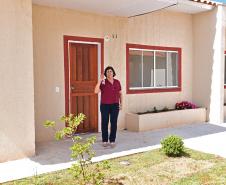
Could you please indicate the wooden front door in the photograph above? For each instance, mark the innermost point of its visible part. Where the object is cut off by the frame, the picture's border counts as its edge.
(83, 78)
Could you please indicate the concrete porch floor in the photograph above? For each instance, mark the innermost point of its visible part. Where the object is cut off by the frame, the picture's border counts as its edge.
(52, 156)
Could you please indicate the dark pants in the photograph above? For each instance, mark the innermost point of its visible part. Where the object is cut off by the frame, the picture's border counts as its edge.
(107, 110)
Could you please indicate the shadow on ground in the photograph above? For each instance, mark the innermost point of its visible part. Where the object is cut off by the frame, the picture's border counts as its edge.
(58, 152)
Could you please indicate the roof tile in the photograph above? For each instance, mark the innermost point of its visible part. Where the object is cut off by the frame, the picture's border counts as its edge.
(208, 2)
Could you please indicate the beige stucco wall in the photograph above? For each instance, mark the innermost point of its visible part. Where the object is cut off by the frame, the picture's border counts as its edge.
(163, 28)
(17, 134)
(208, 64)
(50, 24)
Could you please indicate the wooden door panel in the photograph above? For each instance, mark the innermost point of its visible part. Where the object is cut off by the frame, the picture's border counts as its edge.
(83, 78)
(82, 104)
(85, 64)
(79, 64)
(93, 115)
(86, 111)
(93, 64)
(74, 100)
(83, 86)
(80, 110)
(72, 63)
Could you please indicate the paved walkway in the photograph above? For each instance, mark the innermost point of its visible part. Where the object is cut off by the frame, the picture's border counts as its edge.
(52, 156)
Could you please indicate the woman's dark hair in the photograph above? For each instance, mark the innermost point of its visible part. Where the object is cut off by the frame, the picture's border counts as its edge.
(111, 68)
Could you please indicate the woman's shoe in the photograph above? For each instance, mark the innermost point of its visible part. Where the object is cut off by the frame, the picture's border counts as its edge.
(112, 144)
(104, 144)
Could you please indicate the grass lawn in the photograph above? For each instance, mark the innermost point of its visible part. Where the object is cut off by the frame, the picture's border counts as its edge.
(150, 168)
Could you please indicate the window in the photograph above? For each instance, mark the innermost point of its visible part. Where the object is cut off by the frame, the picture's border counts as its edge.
(153, 69)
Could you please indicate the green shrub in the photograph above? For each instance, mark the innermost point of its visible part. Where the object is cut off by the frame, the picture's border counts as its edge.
(81, 150)
(173, 146)
(155, 110)
(165, 109)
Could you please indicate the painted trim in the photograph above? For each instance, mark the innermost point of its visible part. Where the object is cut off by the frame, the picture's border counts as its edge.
(66, 62)
(224, 68)
(154, 90)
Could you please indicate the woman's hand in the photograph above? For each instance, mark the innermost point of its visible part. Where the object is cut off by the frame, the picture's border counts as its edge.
(101, 77)
(120, 106)
(120, 100)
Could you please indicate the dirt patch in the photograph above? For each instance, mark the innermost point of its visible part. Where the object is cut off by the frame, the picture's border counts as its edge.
(163, 173)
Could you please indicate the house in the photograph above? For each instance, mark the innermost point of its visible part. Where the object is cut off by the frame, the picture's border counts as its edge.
(52, 53)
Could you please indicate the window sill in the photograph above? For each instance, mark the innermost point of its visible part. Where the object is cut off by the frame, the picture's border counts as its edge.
(156, 90)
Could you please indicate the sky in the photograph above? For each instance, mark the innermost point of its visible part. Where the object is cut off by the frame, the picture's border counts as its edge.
(223, 1)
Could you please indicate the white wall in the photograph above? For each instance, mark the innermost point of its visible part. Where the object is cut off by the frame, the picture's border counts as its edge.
(208, 64)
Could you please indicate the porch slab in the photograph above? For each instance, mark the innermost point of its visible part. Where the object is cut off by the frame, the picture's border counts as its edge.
(53, 156)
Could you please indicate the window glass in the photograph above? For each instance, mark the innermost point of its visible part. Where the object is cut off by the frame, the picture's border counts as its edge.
(135, 66)
(152, 68)
(148, 68)
(172, 69)
(160, 69)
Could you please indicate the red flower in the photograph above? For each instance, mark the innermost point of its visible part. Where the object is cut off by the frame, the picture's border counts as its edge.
(185, 105)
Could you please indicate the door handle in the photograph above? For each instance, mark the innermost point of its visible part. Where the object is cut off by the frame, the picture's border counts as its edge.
(72, 87)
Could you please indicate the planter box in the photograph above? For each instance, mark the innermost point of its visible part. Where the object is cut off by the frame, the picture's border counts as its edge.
(152, 121)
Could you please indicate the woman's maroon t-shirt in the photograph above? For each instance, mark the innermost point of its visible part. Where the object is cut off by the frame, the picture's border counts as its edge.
(110, 92)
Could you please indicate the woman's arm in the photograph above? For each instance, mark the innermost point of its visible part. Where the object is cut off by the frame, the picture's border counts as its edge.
(120, 100)
(97, 87)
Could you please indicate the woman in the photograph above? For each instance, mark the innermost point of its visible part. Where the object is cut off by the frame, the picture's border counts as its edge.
(111, 102)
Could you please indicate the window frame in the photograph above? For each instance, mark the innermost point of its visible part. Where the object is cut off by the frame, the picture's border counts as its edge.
(154, 89)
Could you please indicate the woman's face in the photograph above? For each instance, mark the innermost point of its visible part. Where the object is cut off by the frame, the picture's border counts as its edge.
(109, 73)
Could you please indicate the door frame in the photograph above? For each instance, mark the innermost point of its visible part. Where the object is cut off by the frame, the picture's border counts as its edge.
(100, 49)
